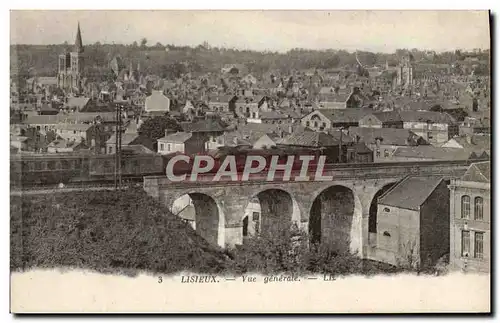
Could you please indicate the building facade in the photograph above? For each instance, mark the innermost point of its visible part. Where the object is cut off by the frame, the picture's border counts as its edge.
(470, 218)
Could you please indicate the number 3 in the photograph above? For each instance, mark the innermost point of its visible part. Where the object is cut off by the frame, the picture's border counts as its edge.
(160, 280)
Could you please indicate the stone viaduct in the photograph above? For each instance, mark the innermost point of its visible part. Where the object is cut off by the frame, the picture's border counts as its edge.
(333, 212)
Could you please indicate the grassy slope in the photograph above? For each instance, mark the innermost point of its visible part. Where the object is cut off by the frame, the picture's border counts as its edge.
(105, 232)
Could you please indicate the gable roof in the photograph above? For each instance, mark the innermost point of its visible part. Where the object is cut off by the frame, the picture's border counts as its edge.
(411, 192)
(344, 115)
(79, 102)
(478, 172)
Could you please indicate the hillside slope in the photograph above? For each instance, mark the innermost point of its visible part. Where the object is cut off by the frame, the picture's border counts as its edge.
(106, 232)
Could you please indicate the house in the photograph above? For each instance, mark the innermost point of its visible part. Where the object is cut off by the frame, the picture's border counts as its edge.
(384, 141)
(256, 135)
(61, 145)
(472, 125)
(475, 143)
(71, 131)
(205, 130)
(128, 139)
(341, 100)
(359, 153)
(224, 103)
(21, 143)
(157, 102)
(182, 142)
(435, 127)
(325, 143)
(388, 119)
(324, 119)
(470, 219)
(413, 227)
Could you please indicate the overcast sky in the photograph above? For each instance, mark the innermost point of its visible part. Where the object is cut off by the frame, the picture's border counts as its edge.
(382, 31)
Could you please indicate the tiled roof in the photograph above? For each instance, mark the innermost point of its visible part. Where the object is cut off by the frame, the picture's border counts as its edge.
(178, 137)
(345, 115)
(79, 102)
(478, 172)
(390, 136)
(411, 192)
(127, 138)
(310, 139)
(388, 116)
(431, 152)
(424, 116)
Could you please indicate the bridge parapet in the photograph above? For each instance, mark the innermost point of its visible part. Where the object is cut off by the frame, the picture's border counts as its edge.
(336, 172)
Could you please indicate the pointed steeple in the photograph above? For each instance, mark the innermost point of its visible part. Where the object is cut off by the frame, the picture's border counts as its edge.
(78, 40)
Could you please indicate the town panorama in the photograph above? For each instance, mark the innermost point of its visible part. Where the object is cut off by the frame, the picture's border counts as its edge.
(403, 139)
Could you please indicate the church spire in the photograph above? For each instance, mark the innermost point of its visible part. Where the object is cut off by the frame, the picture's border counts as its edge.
(78, 40)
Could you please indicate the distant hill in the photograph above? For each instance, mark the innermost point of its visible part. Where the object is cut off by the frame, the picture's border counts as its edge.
(42, 59)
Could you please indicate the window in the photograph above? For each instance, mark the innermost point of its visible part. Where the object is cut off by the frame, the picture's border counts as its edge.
(162, 147)
(478, 208)
(465, 207)
(377, 153)
(465, 243)
(110, 149)
(168, 147)
(324, 124)
(74, 132)
(478, 245)
(315, 124)
(386, 153)
(429, 135)
(307, 123)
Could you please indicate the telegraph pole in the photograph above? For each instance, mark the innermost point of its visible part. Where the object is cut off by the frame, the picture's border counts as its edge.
(118, 152)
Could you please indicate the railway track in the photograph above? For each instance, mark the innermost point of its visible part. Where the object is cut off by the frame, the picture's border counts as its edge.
(81, 185)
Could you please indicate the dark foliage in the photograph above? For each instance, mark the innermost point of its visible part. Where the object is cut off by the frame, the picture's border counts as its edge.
(154, 128)
(105, 231)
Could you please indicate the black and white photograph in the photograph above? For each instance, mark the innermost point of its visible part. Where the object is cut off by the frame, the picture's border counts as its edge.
(203, 155)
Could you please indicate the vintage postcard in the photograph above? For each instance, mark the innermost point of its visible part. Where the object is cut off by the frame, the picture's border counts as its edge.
(250, 161)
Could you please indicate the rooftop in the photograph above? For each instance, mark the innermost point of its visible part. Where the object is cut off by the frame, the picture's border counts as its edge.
(478, 172)
(411, 192)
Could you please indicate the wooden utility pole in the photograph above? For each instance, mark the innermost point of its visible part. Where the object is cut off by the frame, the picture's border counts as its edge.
(118, 151)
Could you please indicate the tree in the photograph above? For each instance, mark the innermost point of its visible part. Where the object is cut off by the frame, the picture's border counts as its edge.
(154, 128)
(144, 41)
